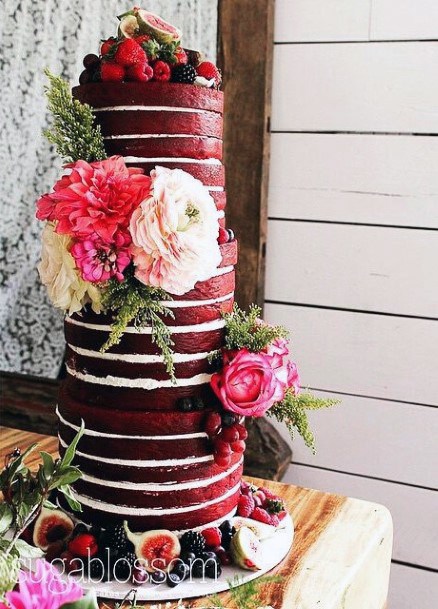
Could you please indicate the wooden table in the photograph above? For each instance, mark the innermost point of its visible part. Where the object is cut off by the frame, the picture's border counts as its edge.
(341, 553)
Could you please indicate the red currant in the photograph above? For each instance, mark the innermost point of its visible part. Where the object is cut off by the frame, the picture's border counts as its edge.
(213, 424)
(238, 447)
(230, 434)
(222, 461)
(241, 430)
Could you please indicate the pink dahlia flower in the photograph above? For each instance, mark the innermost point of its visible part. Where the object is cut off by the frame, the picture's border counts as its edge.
(98, 261)
(247, 385)
(42, 589)
(95, 199)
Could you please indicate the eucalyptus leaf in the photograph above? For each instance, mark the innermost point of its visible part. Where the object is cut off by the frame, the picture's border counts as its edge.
(70, 451)
(87, 602)
(26, 550)
(50, 505)
(66, 476)
(73, 503)
(6, 517)
(49, 464)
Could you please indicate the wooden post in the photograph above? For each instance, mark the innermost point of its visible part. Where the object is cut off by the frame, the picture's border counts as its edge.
(245, 50)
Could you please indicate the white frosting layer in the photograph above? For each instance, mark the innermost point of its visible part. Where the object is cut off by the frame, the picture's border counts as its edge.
(117, 436)
(204, 327)
(223, 270)
(152, 109)
(177, 304)
(131, 511)
(163, 487)
(140, 358)
(142, 462)
(170, 159)
(215, 188)
(143, 136)
(139, 383)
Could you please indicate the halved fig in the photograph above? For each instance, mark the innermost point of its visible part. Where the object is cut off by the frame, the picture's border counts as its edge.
(157, 27)
(155, 549)
(245, 549)
(262, 530)
(51, 526)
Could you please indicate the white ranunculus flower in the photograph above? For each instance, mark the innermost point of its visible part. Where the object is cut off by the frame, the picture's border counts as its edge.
(57, 269)
(174, 233)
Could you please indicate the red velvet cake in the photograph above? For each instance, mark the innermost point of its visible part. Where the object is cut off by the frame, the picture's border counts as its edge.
(143, 459)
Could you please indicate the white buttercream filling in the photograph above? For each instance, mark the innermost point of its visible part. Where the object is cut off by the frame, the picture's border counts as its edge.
(195, 328)
(117, 436)
(163, 487)
(142, 462)
(130, 511)
(140, 358)
(215, 188)
(170, 159)
(146, 383)
(152, 109)
(176, 304)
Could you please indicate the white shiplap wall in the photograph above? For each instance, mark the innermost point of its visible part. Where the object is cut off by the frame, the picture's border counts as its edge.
(353, 226)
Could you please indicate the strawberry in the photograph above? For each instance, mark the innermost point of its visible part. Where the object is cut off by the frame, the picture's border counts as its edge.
(245, 507)
(130, 53)
(261, 515)
(162, 71)
(141, 73)
(111, 71)
(208, 70)
(181, 56)
(282, 515)
(223, 236)
(142, 39)
(268, 494)
(83, 545)
(107, 46)
(212, 536)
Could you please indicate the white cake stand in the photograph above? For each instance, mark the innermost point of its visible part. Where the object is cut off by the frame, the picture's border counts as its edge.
(274, 550)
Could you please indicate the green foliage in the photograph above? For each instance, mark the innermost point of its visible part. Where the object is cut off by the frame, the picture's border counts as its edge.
(244, 596)
(73, 131)
(26, 492)
(131, 300)
(87, 602)
(244, 330)
(292, 412)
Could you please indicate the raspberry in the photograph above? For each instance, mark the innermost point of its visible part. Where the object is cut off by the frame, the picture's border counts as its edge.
(275, 521)
(142, 39)
(139, 72)
(83, 545)
(107, 46)
(208, 70)
(162, 71)
(129, 53)
(261, 515)
(181, 56)
(111, 71)
(269, 494)
(212, 536)
(282, 515)
(245, 507)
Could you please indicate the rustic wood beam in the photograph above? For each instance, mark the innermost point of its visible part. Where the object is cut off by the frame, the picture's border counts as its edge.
(245, 51)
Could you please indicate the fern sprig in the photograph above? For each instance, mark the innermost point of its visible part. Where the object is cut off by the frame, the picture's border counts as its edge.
(244, 596)
(292, 412)
(73, 132)
(246, 331)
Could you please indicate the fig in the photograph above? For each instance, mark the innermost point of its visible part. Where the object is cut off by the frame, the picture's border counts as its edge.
(51, 526)
(157, 27)
(129, 26)
(261, 530)
(155, 549)
(245, 549)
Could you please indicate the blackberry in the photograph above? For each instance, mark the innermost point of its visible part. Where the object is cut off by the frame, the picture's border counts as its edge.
(226, 528)
(184, 74)
(124, 565)
(192, 542)
(96, 570)
(115, 539)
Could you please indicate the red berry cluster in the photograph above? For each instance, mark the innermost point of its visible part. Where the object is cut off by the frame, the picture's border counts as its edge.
(260, 504)
(228, 436)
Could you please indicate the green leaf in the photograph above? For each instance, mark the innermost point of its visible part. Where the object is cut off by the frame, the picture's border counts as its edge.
(6, 517)
(48, 464)
(72, 502)
(49, 505)
(244, 330)
(26, 550)
(87, 602)
(71, 450)
(67, 475)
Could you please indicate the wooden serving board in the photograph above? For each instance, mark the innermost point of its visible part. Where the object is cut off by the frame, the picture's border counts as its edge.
(341, 553)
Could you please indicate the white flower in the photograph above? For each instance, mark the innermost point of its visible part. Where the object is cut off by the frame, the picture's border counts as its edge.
(67, 290)
(174, 233)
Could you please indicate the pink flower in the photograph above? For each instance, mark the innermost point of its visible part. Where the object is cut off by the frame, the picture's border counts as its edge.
(277, 350)
(286, 371)
(98, 261)
(247, 385)
(95, 199)
(42, 589)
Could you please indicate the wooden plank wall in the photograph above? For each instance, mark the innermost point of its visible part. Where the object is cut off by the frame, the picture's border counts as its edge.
(352, 255)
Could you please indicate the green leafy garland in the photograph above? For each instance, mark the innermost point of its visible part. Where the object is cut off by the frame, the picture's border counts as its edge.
(244, 330)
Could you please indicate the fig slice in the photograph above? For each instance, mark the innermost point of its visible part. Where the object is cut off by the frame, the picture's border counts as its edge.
(155, 549)
(128, 26)
(245, 549)
(159, 29)
(261, 529)
(51, 526)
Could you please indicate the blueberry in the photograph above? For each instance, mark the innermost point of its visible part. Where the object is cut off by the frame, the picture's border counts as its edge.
(198, 403)
(197, 569)
(185, 404)
(213, 570)
(158, 577)
(209, 556)
(173, 580)
(181, 570)
(228, 419)
(188, 557)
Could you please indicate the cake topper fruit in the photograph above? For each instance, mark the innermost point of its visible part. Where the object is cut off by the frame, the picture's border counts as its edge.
(51, 526)
(245, 549)
(156, 26)
(156, 549)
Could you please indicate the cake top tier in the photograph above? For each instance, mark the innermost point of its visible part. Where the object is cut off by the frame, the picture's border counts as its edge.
(146, 49)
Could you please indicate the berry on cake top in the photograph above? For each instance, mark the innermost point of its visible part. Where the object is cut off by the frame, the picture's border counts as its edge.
(147, 48)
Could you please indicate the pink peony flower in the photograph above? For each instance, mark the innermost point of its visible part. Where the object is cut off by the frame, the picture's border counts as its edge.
(98, 261)
(277, 350)
(174, 233)
(247, 385)
(42, 589)
(95, 199)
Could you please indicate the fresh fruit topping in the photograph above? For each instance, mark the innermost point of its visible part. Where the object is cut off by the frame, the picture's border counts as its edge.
(187, 557)
(261, 515)
(223, 461)
(245, 549)
(282, 515)
(181, 56)
(192, 541)
(223, 236)
(213, 424)
(55, 550)
(142, 39)
(90, 61)
(241, 430)
(115, 539)
(130, 53)
(50, 526)
(83, 545)
(268, 494)
(245, 506)
(157, 549)
(222, 448)
(124, 566)
(184, 74)
(178, 574)
(261, 529)
(139, 73)
(140, 576)
(162, 71)
(129, 26)
(96, 569)
(238, 447)
(213, 570)
(274, 506)
(106, 46)
(209, 71)
(173, 580)
(224, 556)
(158, 577)
(260, 495)
(71, 563)
(230, 434)
(212, 536)
(157, 27)
(227, 532)
(111, 71)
